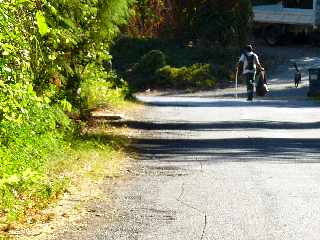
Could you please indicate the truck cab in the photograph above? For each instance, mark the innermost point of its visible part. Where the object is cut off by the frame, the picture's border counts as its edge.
(275, 21)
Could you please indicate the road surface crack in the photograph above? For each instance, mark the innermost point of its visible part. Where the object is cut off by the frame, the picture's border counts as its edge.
(204, 227)
(179, 199)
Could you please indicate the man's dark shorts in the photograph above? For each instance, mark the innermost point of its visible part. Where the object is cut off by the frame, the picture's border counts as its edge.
(250, 84)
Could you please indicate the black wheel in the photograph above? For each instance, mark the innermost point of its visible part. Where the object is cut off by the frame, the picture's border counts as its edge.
(315, 38)
(272, 35)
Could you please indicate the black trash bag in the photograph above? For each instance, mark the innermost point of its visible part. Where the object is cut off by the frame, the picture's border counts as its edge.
(262, 85)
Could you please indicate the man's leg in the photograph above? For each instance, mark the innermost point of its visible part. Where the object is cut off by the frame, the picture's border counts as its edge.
(250, 87)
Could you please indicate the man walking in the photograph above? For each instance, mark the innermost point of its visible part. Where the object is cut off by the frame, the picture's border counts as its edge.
(250, 62)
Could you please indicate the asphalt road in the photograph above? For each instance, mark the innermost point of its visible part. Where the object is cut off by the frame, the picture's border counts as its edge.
(218, 168)
(229, 169)
(222, 168)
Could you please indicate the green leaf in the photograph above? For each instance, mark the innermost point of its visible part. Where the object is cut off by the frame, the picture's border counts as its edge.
(53, 10)
(66, 106)
(42, 24)
(13, 179)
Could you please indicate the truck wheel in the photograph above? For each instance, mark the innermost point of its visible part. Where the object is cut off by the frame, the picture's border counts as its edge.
(315, 38)
(272, 35)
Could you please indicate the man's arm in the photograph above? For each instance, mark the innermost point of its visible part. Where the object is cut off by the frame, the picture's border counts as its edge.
(240, 62)
(258, 63)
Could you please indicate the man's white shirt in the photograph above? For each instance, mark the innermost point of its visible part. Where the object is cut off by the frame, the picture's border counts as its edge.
(243, 59)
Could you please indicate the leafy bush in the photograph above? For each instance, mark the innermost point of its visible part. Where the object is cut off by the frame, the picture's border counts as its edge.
(102, 89)
(177, 56)
(195, 76)
(48, 49)
(56, 37)
(124, 59)
(143, 72)
(30, 129)
(150, 63)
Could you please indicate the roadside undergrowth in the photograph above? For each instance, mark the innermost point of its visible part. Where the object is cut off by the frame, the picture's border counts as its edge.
(99, 154)
(55, 67)
(84, 153)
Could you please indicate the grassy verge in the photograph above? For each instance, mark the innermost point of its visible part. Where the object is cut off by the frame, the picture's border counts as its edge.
(98, 154)
(44, 154)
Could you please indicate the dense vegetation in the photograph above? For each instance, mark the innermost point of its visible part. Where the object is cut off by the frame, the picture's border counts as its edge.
(49, 49)
(190, 35)
(55, 61)
(222, 22)
(149, 58)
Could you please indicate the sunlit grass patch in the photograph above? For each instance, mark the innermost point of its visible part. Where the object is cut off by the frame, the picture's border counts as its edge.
(4, 238)
(95, 155)
(43, 152)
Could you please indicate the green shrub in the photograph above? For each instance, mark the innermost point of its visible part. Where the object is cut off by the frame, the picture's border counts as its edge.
(102, 89)
(124, 59)
(176, 54)
(150, 63)
(101, 94)
(142, 74)
(45, 38)
(194, 76)
(47, 48)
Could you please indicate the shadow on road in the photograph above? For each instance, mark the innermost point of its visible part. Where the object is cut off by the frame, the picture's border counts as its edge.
(233, 150)
(223, 126)
(188, 149)
(184, 149)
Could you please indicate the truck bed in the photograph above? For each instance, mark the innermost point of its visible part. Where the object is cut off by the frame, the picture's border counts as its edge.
(278, 14)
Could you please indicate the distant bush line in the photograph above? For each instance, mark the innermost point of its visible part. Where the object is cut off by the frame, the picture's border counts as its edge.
(158, 64)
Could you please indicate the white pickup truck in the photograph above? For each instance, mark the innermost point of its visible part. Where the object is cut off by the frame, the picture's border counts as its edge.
(276, 21)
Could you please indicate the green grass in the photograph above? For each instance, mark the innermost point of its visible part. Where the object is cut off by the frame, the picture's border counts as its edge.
(4, 238)
(98, 153)
(44, 153)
